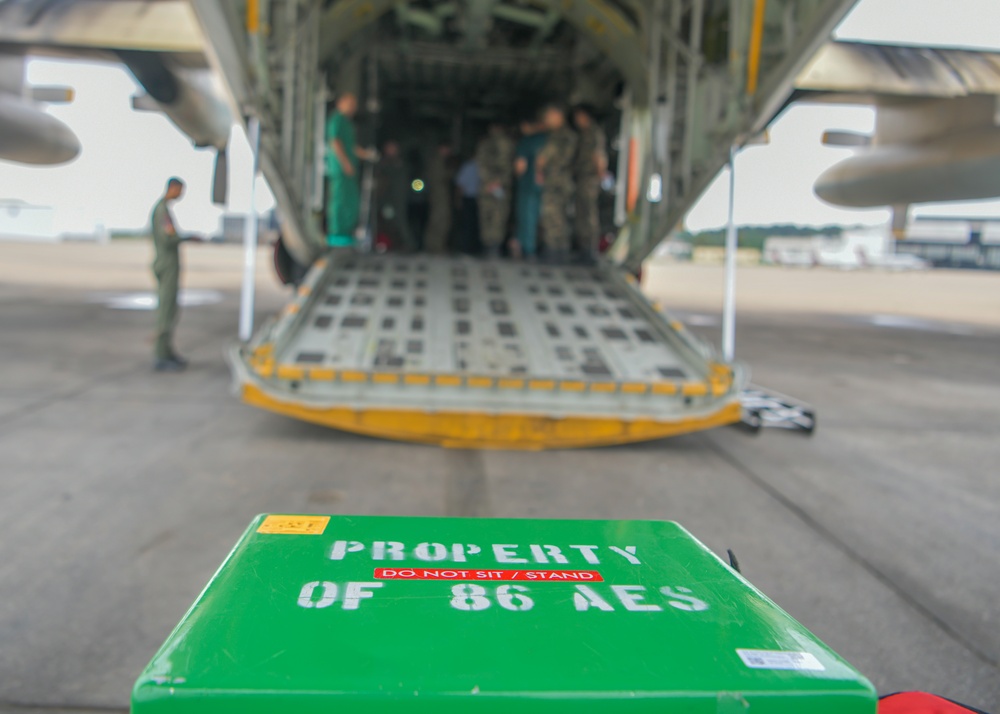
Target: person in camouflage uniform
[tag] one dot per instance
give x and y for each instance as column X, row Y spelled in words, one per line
column 392, row 190
column 554, row 173
column 591, row 163
column 495, row 161
column 440, row 197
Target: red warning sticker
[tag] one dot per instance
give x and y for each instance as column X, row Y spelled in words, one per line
column 590, row 576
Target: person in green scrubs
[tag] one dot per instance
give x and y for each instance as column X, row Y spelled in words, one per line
column 342, row 157
column 528, row 199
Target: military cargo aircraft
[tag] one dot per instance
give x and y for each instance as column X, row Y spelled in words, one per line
column 442, row 351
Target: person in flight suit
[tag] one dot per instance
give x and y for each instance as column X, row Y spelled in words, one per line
column 495, row 161
column 591, row 163
column 554, row 173
column 167, row 271
column 343, row 153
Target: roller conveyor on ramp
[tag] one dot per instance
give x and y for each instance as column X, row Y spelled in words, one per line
column 483, row 354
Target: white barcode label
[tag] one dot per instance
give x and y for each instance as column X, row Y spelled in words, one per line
column 777, row 659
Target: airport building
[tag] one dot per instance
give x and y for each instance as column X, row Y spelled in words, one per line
column 954, row 242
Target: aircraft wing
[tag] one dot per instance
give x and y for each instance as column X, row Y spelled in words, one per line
column 159, row 41
column 150, row 25
column 853, row 72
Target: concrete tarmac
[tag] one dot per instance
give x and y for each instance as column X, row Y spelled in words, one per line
column 122, row 490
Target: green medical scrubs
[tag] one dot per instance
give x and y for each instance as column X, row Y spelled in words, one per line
column 529, row 194
column 344, row 198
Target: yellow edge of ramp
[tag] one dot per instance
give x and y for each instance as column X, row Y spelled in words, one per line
column 477, row 430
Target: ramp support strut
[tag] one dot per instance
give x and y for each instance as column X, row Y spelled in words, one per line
column 250, row 238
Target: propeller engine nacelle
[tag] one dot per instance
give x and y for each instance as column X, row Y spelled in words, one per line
column 30, row 136
column 192, row 99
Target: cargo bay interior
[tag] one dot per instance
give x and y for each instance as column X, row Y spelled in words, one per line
column 680, row 82
column 439, row 73
column 455, row 67
column 432, row 74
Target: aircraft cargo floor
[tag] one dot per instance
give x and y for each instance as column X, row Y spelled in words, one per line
column 471, row 353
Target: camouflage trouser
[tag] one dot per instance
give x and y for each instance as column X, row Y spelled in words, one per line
column 438, row 224
column 493, row 212
column 555, row 227
column 588, row 227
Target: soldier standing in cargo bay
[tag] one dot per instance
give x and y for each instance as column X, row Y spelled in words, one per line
column 554, row 173
column 495, row 160
column 392, row 189
column 439, row 195
column 591, row 163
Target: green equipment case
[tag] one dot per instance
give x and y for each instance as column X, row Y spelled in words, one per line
column 352, row 615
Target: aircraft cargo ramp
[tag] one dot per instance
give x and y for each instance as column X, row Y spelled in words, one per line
column 474, row 354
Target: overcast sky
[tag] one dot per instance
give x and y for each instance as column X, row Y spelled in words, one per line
column 128, row 155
